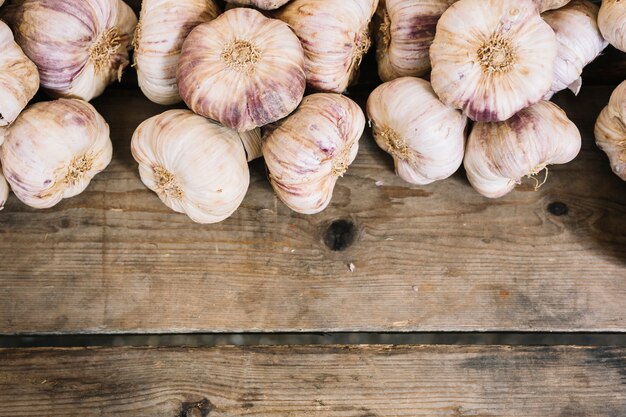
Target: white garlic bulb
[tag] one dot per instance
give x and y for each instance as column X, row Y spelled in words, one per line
column 580, row 42
column 4, row 189
column 335, row 36
column 492, row 58
column 260, row 4
column 544, row 5
column 19, row 79
column 612, row 22
column 425, row 137
column 53, row 150
column 610, row 130
column 499, row 155
column 79, row 46
column 193, row 164
column 162, row 28
column 308, row 151
column 242, row 69
column 405, row 32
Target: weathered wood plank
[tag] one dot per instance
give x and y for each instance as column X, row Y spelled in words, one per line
column 372, row 381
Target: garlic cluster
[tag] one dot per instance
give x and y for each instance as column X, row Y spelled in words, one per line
column 580, row 42
column 612, row 22
column 499, row 155
column 406, row 29
column 492, row 58
column 19, row 79
column 260, row 4
column 162, row 28
column 242, row 69
column 335, row 36
column 53, row 150
column 544, row 5
column 79, row 46
column 4, row 187
column 308, row 151
column 195, row 165
column 425, row 137
column 610, row 130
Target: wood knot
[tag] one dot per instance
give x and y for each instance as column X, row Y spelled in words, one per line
column 340, row 234
column 558, row 209
column 196, row 409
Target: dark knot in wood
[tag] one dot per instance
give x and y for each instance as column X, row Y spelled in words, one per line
column 340, row 234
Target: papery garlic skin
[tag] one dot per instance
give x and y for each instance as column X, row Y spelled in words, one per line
column 580, row 42
column 79, row 46
column 162, row 28
column 425, row 137
column 260, row 4
column 4, row 188
column 19, row 79
column 193, row 164
column 242, row 69
column 308, row 151
column 499, row 155
column 612, row 22
column 610, row 131
column 335, row 36
column 53, row 150
column 406, row 29
column 545, row 5
column 492, row 58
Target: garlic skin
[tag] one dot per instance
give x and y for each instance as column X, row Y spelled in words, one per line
column 195, row 166
column 4, row 187
column 545, row 5
column 79, row 46
column 158, row 41
column 425, row 137
column 19, row 79
column 242, row 69
column 492, row 58
column 260, row 4
column 499, row 155
column 580, row 42
column 335, row 36
column 53, row 150
column 308, row 151
column 610, row 131
column 405, row 32
column 612, row 22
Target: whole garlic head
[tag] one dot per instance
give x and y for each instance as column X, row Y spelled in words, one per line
column 162, row 28
column 492, row 58
column 405, row 32
column 610, row 131
column 53, row 150
column 308, row 151
column 425, row 137
column 4, row 188
column 335, row 36
column 544, row 5
column 19, row 79
column 79, row 46
column 195, row 165
column 242, row 69
column 612, row 22
column 260, row 4
column 580, row 42
column 499, row 155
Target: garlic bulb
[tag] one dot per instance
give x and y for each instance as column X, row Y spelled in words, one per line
column 499, row 155
column 492, row 58
column 335, row 36
column 242, row 69
column 260, row 4
column 19, row 79
column 195, row 165
column 308, row 151
column 162, row 28
column 53, row 150
column 580, row 42
column 79, row 46
column 544, row 5
column 4, row 188
column 612, row 22
column 405, row 32
column 610, row 131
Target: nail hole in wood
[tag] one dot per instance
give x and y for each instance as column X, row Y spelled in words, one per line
column 558, row 209
column 339, row 235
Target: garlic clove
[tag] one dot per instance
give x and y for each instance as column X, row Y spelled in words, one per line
column 492, row 58
column 242, row 69
column 335, row 36
column 612, row 22
column 53, row 150
column 158, row 41
column 308, row 151
column 425, row 137
column 544, row 5
column 259, row 4
column 499, row 155
column 19, row 79
column 4, row 189
column 610, row 130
